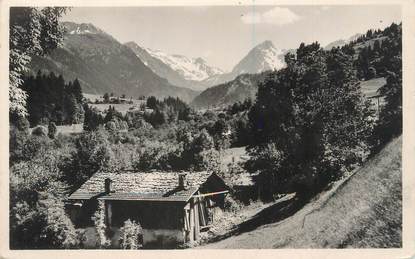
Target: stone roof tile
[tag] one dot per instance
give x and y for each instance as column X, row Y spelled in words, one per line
column 128, row 185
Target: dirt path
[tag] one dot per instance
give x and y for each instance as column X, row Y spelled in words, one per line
column 363, row 211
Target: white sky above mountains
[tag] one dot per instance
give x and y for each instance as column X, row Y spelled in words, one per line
column 223, row 35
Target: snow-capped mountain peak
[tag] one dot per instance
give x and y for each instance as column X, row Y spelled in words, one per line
column 195, row 69
column 265, row 56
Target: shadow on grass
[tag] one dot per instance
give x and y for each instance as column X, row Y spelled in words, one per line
column 272, row 214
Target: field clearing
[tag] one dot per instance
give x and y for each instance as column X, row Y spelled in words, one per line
column 361, row 211
column 122, row 107
column 369, row 87
column 370, row 42
column 65, row 129
column 70, row 129
column 93, row 97
column 233, row 155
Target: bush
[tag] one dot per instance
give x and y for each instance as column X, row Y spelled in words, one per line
column 37, row 216
column 154, row 155
column 111, row 126
column 93, row 153
column 100, row 226
column 35, row 146
column 52, row 130
column 40, row 131
column 43, row 225
column 131, row 235
column 17, row 141
column 231, row 204
column 59, row 231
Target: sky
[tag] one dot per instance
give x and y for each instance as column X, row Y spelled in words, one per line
column 223, row 35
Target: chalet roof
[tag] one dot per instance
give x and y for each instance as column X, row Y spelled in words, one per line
column 151, row 186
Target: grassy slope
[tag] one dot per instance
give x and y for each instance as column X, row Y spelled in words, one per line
column 364, row 210
column 371, row 86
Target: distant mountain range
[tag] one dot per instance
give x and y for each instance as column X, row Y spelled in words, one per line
column 102, row 64
column 177, row 69
column 196, row 74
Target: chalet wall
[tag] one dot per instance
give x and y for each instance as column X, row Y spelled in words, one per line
column 162, row 222
column 150, row 215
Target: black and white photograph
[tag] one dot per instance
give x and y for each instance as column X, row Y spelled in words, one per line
column 189, row 127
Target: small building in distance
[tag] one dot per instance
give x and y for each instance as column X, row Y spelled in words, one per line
column 171, row 207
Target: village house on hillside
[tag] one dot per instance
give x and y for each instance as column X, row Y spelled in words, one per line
column 171, row 207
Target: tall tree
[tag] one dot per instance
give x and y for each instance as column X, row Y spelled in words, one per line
column 390, row 117
column 33, row 31
column 313, row 119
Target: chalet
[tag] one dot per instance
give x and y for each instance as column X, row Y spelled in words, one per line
column 172, row 207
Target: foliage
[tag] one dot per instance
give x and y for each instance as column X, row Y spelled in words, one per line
column 114, row 121
column 33, row 31
column 242, row 135
column 136, row 120
column 131, row 235
column 50, row 99
column 59, row 231
column 34, row 186
column 199, row 152
column 92, row 153
column 267, row 160
column 100, row 226
column 106, row 97
column 167, row 110
column 390, row 117
column 183, row 151
column 310, row 122
column 52, row 130
column 375, row 57
column 92, row 119
column 232, row 205
column 17, row 138
column 40, row 131
column 42, row 225
column 154, row 155
column 239, row 107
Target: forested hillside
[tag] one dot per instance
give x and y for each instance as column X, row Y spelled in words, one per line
column 243, row 87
